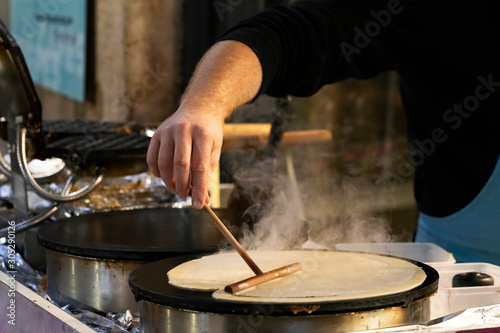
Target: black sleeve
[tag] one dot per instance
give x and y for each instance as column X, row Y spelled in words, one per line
column 312, row 43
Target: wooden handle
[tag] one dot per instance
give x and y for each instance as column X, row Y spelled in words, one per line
column 259, row 279
column 232, row 240
column 246, row 129
column 244, row 136
column 295, row 138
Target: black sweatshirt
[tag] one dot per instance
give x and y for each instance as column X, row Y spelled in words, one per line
column 447, row 55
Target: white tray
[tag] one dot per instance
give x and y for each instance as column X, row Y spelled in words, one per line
column 423, row 252
column 449, row 299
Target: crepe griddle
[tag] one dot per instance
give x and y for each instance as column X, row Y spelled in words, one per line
column 150, row 283
column 141, row 234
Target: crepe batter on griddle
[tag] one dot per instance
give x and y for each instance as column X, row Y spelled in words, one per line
column 326, row 276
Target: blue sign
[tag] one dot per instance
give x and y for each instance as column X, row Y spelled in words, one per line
column 52, row 36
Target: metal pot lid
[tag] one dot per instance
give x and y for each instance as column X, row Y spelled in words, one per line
column 142, row 234
column 150, row 283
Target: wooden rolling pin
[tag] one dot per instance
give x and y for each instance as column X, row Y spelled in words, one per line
column 244, row 136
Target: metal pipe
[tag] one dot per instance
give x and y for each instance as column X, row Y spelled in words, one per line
column 69, row 184
column 5, row 167
column 32, row 221
column 23, row 164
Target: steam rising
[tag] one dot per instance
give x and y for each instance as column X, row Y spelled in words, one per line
column 326, row 205
column 335, row 210
column 280, row 226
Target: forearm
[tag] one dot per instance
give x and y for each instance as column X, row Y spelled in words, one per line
column 228, row 76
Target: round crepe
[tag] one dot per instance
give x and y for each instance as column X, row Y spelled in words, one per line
column 326, row 276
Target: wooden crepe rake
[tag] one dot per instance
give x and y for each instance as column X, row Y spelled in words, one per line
column 260, row 277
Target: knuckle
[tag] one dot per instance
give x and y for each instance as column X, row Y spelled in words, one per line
column 183, row 128
column 203, row 133
column 181, row 162
column 152, row 160
column 199, row 167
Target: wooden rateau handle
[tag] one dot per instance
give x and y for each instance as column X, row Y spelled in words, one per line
column 227, row 234
column 260, row 276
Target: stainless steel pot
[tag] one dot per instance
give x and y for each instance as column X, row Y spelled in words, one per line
column 165, row 308
column 90, row 257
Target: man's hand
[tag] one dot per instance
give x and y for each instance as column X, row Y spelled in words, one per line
column 184, row 152
column 186, row 147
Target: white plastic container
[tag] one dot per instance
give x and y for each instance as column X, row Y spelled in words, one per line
column 449, row 300
column 423, row 252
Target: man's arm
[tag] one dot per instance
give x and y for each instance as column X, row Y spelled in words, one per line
column 186, row 147
column 296, row 52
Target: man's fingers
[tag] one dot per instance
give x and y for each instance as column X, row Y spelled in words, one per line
column 200, row 164
column 182, row 160
column 165, row 156
column 152, row 156
column 183, row 152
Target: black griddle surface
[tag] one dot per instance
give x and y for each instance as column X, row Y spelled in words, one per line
column 142, row 234
column 150, row 283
